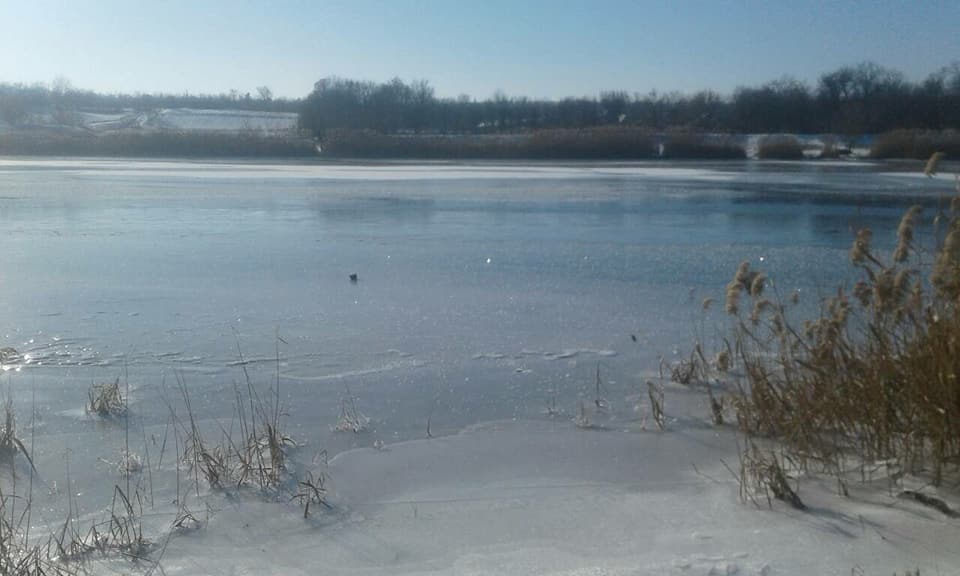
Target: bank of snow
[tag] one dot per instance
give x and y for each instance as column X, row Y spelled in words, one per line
column 548, row 498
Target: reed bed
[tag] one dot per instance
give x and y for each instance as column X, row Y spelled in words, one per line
column 600, row 143
column 780, row 147
column 916, row 144
column 872, row 382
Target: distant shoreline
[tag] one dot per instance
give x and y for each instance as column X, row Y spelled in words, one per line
column 166, row 144
column 597, row 144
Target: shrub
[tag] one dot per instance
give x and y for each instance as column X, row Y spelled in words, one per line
column 702, row 146
column 916, row 144
column 779, row 147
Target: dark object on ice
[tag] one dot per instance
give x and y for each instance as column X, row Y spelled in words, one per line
column 353, row 277
column 633, row 337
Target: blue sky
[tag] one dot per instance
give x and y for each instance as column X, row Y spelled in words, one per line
column 536, row 48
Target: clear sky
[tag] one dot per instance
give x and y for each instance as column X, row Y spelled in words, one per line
column 537, row 48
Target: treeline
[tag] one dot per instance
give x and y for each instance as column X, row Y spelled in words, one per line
column 861, row 99
column 20, row 104
column 369, row 119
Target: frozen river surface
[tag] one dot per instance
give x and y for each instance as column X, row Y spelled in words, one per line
column 484, row 290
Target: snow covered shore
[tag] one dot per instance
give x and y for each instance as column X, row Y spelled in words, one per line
column 547, row 498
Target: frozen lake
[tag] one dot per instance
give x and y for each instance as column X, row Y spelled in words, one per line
column 485, row 294
column 484, row 289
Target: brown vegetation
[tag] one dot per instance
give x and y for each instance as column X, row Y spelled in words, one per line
column 702, row 147
column 874, row 378
column 916, row 144
column 779, row 147
column 601, row 143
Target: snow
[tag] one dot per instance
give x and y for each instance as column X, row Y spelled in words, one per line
column 222, row 120
column 812, row 144
column 531, row 496
column 193, row 120
column 547, row 498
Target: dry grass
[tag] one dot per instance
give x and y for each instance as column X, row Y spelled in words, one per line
column 251, row 453
column 779, row 147
column 684, row 372
column 10, row 443
column 311, row 490
column 600, row 403
column 255, row 457
column 874, row 377
column 698, row 371
column 582, row 418
column 66, row 550
column 916, row 144
column 763, row 475
column 702, row 146
column 106, row 401
column 609, row 142
column 655, row 393
column 18, row 555
column 596, row 143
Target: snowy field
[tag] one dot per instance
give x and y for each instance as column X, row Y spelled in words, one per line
column 488, row 296
column 187, row 119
